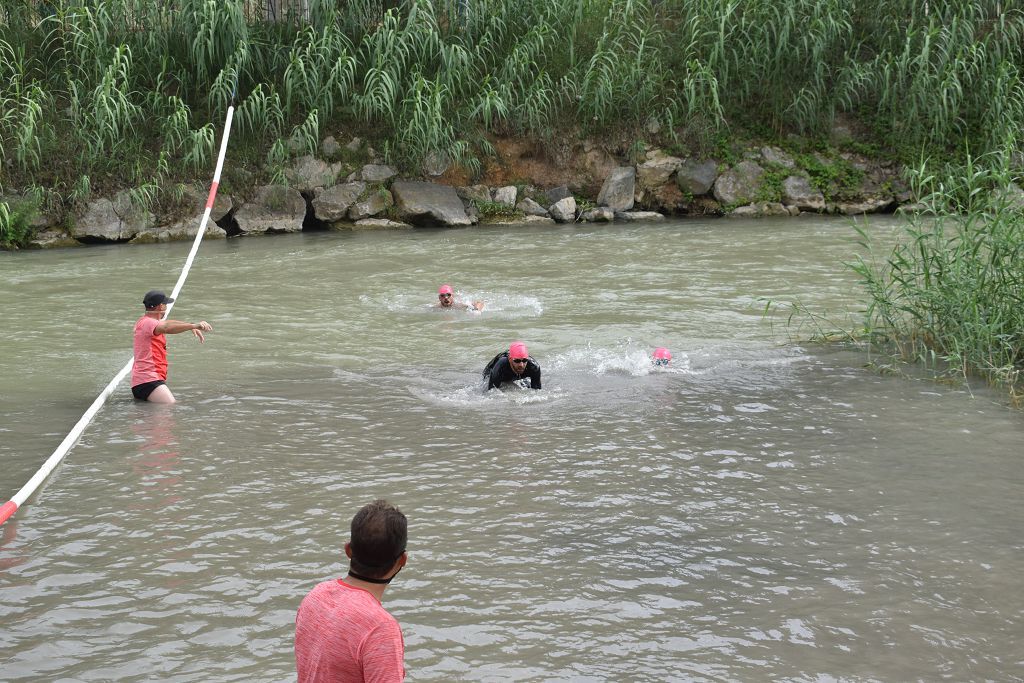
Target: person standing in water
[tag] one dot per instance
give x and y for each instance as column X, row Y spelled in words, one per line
column 342, row 632
column 511, row 366
column 149, row 372
column 446, row 299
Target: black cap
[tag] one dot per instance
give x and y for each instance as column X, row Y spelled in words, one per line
column 154, row 298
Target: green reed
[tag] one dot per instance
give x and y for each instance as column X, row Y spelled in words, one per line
column 82, row 78
column 951, row 292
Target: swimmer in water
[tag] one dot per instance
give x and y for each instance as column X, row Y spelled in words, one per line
column 446, row 299
column 662, row 356
column 511, row 366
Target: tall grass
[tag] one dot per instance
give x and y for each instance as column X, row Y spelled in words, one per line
column 951, row 292
column 118, row 85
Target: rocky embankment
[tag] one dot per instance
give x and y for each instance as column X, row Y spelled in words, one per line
column 320, row 195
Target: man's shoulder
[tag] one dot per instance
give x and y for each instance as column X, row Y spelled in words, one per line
column 146, row 323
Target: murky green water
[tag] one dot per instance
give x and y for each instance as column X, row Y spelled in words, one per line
column 761, row 511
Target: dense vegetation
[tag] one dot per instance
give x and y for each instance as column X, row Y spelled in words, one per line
column 129, row 94
column 950, row 294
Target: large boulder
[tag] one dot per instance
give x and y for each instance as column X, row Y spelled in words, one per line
column 275, row 208
column 428, row 204
column 564, row 210
column 617, row 192
column 531, row 208
column 475, row 193
column 331, row 204
column 114, row 220
column 797, row 191
column 377, row 202
column 740, row 184
column 506, row 196
column 654, row 173
column 696, row 177
column 600, row 214
column 377, row 173
column 309, row 173
column 100, row 222
column 774, row 155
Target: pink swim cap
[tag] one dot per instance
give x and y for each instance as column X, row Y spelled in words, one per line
column 518, row 350
column 661, row 353
column 445, row 289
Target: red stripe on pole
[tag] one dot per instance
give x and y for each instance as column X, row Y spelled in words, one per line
column 213, row 195
column 7, row 510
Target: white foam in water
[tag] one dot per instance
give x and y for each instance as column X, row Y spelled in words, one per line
column 627, row 359
column 506, row 305
column 474, row 396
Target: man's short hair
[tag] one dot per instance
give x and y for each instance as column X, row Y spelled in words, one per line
column 379, row 535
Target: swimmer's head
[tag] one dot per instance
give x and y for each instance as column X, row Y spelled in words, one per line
column 517, row 351
column 662, row 356
column 445, row 295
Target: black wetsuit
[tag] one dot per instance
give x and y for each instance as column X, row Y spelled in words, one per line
column 499, row 371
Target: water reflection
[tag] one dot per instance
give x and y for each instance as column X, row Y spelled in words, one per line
column 156, row 463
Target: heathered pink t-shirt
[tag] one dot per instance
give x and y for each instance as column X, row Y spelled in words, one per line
column 343, row 635
column 150, row 352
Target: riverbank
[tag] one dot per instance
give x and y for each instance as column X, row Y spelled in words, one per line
column 591, row 183
column 111, row 111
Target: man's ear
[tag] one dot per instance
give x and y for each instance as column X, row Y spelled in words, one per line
column 348, row 550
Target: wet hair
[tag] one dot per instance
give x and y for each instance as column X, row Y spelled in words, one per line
column 379, row 535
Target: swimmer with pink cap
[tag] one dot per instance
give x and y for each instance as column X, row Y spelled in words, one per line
column 514, row 365
column 446, row 299
column 662, row 356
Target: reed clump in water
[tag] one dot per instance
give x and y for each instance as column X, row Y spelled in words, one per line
column 122, row 93
column 951, row 292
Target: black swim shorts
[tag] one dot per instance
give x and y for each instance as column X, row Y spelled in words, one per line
column 142, row 391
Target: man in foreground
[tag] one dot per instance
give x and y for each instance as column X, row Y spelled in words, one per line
column 446, row 299
column 149, row 372
column 511, row 366
column 342, row 633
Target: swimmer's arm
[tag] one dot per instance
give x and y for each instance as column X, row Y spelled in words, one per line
column 478, row 305
column 494, row 378
column 535, row 379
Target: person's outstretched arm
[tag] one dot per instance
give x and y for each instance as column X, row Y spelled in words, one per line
column 534, row 376
column 177, row 327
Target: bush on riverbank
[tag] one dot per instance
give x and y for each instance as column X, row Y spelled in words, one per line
column 951, row 292
column 15, row 224
column 128, row 94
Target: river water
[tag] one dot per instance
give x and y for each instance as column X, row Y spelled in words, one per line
column 761, row 510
